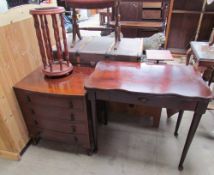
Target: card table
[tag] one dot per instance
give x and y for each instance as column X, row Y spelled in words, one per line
column 177, row 87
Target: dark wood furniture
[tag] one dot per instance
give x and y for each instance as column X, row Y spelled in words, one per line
column 95, row 4
column 56, row 109
column 61, row 65
column 90, row 50
column 203, row 55
column 188, row 20
column 158, row 55
column 144, row 17
column 150, row 85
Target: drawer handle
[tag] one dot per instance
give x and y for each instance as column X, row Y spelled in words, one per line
column 28, row 99
column 36, row 122
column 72, row 117
column 75, row 139
column 73, row 128
column 143, row 100
column 71, row 105
column 32, row 111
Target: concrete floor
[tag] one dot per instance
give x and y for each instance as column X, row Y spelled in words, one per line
column 126, row 147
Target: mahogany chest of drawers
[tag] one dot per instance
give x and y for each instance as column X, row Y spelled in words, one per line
column 56, row 109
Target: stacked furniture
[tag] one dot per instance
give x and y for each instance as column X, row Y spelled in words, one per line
column 144, row 18
column 95, row 4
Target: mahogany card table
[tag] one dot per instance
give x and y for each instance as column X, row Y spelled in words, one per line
column 166, row 86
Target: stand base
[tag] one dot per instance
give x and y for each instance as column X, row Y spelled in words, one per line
column 56, row 71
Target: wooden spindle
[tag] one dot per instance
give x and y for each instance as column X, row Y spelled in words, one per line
column 48, row 36
column 52, row 68
column 40, row 40
column 64, row 39
column 48, row 51
column 57, row 38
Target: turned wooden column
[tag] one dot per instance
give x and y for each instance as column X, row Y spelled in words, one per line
column 59, row 66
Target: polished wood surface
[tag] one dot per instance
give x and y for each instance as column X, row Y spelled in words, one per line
column 70, row 85
column 148, row 79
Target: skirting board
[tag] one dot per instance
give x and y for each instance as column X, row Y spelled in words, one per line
column 10, row 155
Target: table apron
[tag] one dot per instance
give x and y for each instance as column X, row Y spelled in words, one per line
column 164, row 101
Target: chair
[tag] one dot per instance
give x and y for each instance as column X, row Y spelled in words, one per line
column 94, row 4
column 202, row 53
column 61, row 65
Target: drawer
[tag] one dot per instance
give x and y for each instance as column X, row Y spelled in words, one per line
column 71, row 102
column 53, row 113
column 151, row 14
column 167, row 101
column 64, row 127
column 82, row 140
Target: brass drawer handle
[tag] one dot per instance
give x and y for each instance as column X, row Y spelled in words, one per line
column 36, row 122
column 28, row 98
column 71, row 105
column 72, row 117
column 73, row 128
column 143, row 100
column 75, row 139
column 32, row 111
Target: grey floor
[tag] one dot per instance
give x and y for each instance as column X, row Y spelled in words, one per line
column 127, row 146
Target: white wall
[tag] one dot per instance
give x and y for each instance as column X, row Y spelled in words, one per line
column 3, row 6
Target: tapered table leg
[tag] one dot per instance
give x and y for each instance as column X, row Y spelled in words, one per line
column 92, row 99
column 199, row 111
column 180, row 115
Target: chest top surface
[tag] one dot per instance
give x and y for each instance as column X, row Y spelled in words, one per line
column 72, row 84
column 148, row 79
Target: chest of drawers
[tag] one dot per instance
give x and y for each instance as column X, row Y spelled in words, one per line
column 56, row 109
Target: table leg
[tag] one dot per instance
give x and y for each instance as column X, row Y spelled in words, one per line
column 74, row 22
column 92, row 98
column 180, row 115
column 199, row 111
column 188, row 55
column 211, row 77
column 105, row 113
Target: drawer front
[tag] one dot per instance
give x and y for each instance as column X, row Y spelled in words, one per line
column 64, row 127
column 82, row 140
column 167, row 101
column 70, row 102
column 54, row 113
column 151, row 14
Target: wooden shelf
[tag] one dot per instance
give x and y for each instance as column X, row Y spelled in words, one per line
column 209, row 13
column 139, row 24
column 186, row 11
column 191, row 12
